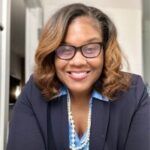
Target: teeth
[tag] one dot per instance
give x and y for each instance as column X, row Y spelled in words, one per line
column 79, row 74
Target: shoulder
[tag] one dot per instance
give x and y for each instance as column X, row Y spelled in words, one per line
column 31, row 93
column 31, row 87
column 136, row 93
column 135, row 99
column 137, row 86
column 136, row 80
column 30, row 83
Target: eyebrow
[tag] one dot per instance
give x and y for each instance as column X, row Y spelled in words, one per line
column 95, row 39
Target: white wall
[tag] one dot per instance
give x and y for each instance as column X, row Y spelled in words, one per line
column 33, row 24
column 127, row 16
column 129, row 26
column 51, row 5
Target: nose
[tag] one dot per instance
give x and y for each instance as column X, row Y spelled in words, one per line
column 78, row 59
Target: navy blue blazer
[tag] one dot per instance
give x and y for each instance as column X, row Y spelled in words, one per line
column 123, row 124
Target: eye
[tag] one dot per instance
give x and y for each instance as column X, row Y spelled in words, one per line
column 67, row 49
column 90, row 48
column 64, row 50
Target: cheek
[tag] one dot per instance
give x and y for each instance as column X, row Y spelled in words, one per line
column 59, row 66
column 99, row 67
column 98, row 63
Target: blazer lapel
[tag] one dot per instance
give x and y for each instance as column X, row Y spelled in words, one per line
column 40, row 108
column 60, row 128
column 100, row 120
column 59, row 122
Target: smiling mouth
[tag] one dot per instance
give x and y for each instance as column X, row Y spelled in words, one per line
column 78, row 75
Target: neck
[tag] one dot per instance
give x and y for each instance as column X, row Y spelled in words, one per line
column 80, row 99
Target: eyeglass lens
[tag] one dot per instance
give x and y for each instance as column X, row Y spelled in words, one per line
column 88, row 50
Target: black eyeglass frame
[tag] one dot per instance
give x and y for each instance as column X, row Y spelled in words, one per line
column 80, row 48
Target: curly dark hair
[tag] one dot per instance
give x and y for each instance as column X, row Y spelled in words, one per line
column 112, row 79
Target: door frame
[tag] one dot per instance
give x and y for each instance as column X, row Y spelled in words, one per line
column 4, row 70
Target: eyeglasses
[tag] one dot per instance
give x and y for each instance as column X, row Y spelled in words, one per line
column 90, row 50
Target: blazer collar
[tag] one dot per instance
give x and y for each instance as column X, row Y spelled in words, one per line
column 59, row 122
column 99, row 125
column 95, row 94
column 39, row 105
column 60, row 126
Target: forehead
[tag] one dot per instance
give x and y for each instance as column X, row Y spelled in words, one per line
column 86, row 20
column 82, row 29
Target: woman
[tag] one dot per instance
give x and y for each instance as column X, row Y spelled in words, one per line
column 78, row 97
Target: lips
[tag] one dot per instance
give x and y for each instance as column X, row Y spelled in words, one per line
column 78, row 75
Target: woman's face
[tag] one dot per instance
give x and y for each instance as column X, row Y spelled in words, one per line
column 80, row 73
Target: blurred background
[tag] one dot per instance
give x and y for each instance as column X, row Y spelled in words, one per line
column 21, row 22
